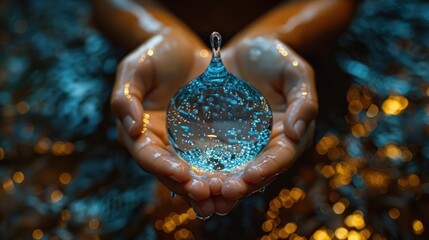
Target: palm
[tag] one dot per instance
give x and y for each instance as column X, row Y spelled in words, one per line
column 287, row 82
column 147, row 79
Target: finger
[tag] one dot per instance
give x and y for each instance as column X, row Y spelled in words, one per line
column 215, row 186
column 279, row 156
column 223, row 205
column 195, row 189
column 215, row 181
column 132, row 80
column 204, row 207
column 235, row 187
column 299, row 114
column 150, row 153
column 300, row 93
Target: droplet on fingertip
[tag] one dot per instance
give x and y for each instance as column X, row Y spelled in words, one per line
column 197, row 215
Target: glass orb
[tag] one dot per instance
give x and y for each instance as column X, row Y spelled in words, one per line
column 218, row 122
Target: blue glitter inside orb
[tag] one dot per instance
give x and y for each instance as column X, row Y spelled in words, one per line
column 218, row 122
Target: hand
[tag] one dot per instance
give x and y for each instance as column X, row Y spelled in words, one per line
column 146, row 80
column 287, row 81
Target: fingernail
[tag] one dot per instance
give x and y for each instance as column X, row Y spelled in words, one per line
column 215, row 186
column 128, row 123
column 253, row 173
column 174, row 178
column 192, row 196
column 299, row 127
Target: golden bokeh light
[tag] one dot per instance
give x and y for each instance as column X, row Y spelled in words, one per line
column 94, row 223
column 183, row 234
column 8, row 185
column 353, row 235
column 355, row 220
column 43, row 146
column 146, row 121
column 321, row 234
column 282, row 233
column 37, row 234
column 268, row 225
column 204, row 53
column 168, row 226
column 127, row 90
column 327, row 171
column 338, row 208
column 394, row 213
column 150, row 52
column 18, row 177
column 22, row 107
column 297, row 194
column 60, row 148
column 392, row 151
column 341, row 233
column 191, row 214
column 282, row 50
column 365, row 233
column 158, row 224
column 372, row 111
column 65, row 215
column 394, row 105
column 290, row 228
column 358, row 130
column 355, row 107
column 376, row 180
column 56, row 196
column 413, row 180
column 418, row 227
column 326, row 143
column 65, row 178
column 295, row 63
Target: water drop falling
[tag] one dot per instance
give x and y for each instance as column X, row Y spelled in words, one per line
column 197, row 215
column 218, row 122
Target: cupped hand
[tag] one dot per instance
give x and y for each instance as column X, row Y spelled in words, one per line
column 287, row 81
column 146, row 80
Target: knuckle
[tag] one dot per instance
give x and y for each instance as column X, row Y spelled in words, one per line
column 313, row 106
column 117, row 103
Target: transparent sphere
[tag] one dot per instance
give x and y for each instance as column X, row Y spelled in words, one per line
column 218, row 122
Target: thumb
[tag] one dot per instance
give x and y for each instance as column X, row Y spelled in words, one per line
column 127, row 95
column 298, row 116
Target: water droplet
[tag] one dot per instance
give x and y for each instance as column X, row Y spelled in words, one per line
column 218, row 122
column 197, row 215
